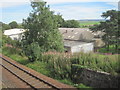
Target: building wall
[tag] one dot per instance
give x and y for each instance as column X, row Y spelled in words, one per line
column 16, row 37
column 88, row 47
column 93, row 78
column 67, row 49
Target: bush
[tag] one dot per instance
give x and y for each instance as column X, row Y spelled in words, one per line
column 33, row 51
column 10, row 51
column 60, row 66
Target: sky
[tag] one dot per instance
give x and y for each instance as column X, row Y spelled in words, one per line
column 17, row 10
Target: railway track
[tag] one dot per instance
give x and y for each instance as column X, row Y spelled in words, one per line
column 32, row 79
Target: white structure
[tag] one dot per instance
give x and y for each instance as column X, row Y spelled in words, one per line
column 77, row 46
column 77, row 39
column 14, row 34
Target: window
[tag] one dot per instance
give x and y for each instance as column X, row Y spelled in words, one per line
column 15, row 38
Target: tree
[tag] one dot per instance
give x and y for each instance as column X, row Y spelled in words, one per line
column 110, row 27
column 13, row 24
column 4, row 26
column 42, row 31
column 71, row 24
column 60, row 20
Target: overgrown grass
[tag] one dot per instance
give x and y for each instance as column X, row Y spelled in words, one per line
column 111, row 49
column 49, row 66
column 59, row 66
column 40, row 67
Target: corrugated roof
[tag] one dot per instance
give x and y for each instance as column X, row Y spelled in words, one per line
column 76, row 33
column 69, row 43
column 14, row 31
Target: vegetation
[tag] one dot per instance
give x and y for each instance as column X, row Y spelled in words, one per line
column 4, row 26
column 0, row 39
column 111, row 50
column 42, row 34
column 87, row 24
column 66, row 23
column 71, row 24
column 13, row 24
column 59, row 66
column 110, row 27
column 93, row 61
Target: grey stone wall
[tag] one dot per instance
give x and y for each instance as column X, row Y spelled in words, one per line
column 94, row 78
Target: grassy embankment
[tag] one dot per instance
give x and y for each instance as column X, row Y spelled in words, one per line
column 59, row 66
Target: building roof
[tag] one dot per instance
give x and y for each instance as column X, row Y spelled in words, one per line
column 98, row 42
column 99, row 34
column 68, row 43
column 77, row 34
column 14, row 31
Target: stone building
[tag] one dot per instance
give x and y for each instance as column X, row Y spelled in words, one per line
column 77, row 39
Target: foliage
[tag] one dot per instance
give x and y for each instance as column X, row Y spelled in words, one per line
column 59, row 66
column 99, row 62
column 8, row 41
column 20, row 26
column 71, row 24
column 13, row 24
column 62, row 65
column 10, row 51
column 4, row 26
column 0, row 38
column 66, row 23
column 112, row 49
column 60, row 20
column 42, row 30
column 110, row 27
column 33, row 51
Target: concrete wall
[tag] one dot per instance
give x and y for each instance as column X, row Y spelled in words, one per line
column 88, row 47
column 67, row 49
column 94, row 78
column 16, row 36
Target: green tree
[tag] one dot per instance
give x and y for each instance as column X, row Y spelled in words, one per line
column 13, row 24
column 4, row 26
column 110, row 27
column 20, row 26
column 60, row 20
column 42, row 31
column 71, row 24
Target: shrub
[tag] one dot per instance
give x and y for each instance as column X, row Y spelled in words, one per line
column 59, row 66
column 33, row 51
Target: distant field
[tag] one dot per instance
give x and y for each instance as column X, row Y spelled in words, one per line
column 86, row 23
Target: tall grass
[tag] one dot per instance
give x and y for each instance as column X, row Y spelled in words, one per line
column 61, row 64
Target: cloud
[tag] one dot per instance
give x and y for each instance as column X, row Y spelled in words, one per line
column 115, row 4
column 80, row 12
column 71, row 1
column 12, row 3
column 64, row 7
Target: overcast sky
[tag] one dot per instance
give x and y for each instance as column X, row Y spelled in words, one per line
column 16, row 10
